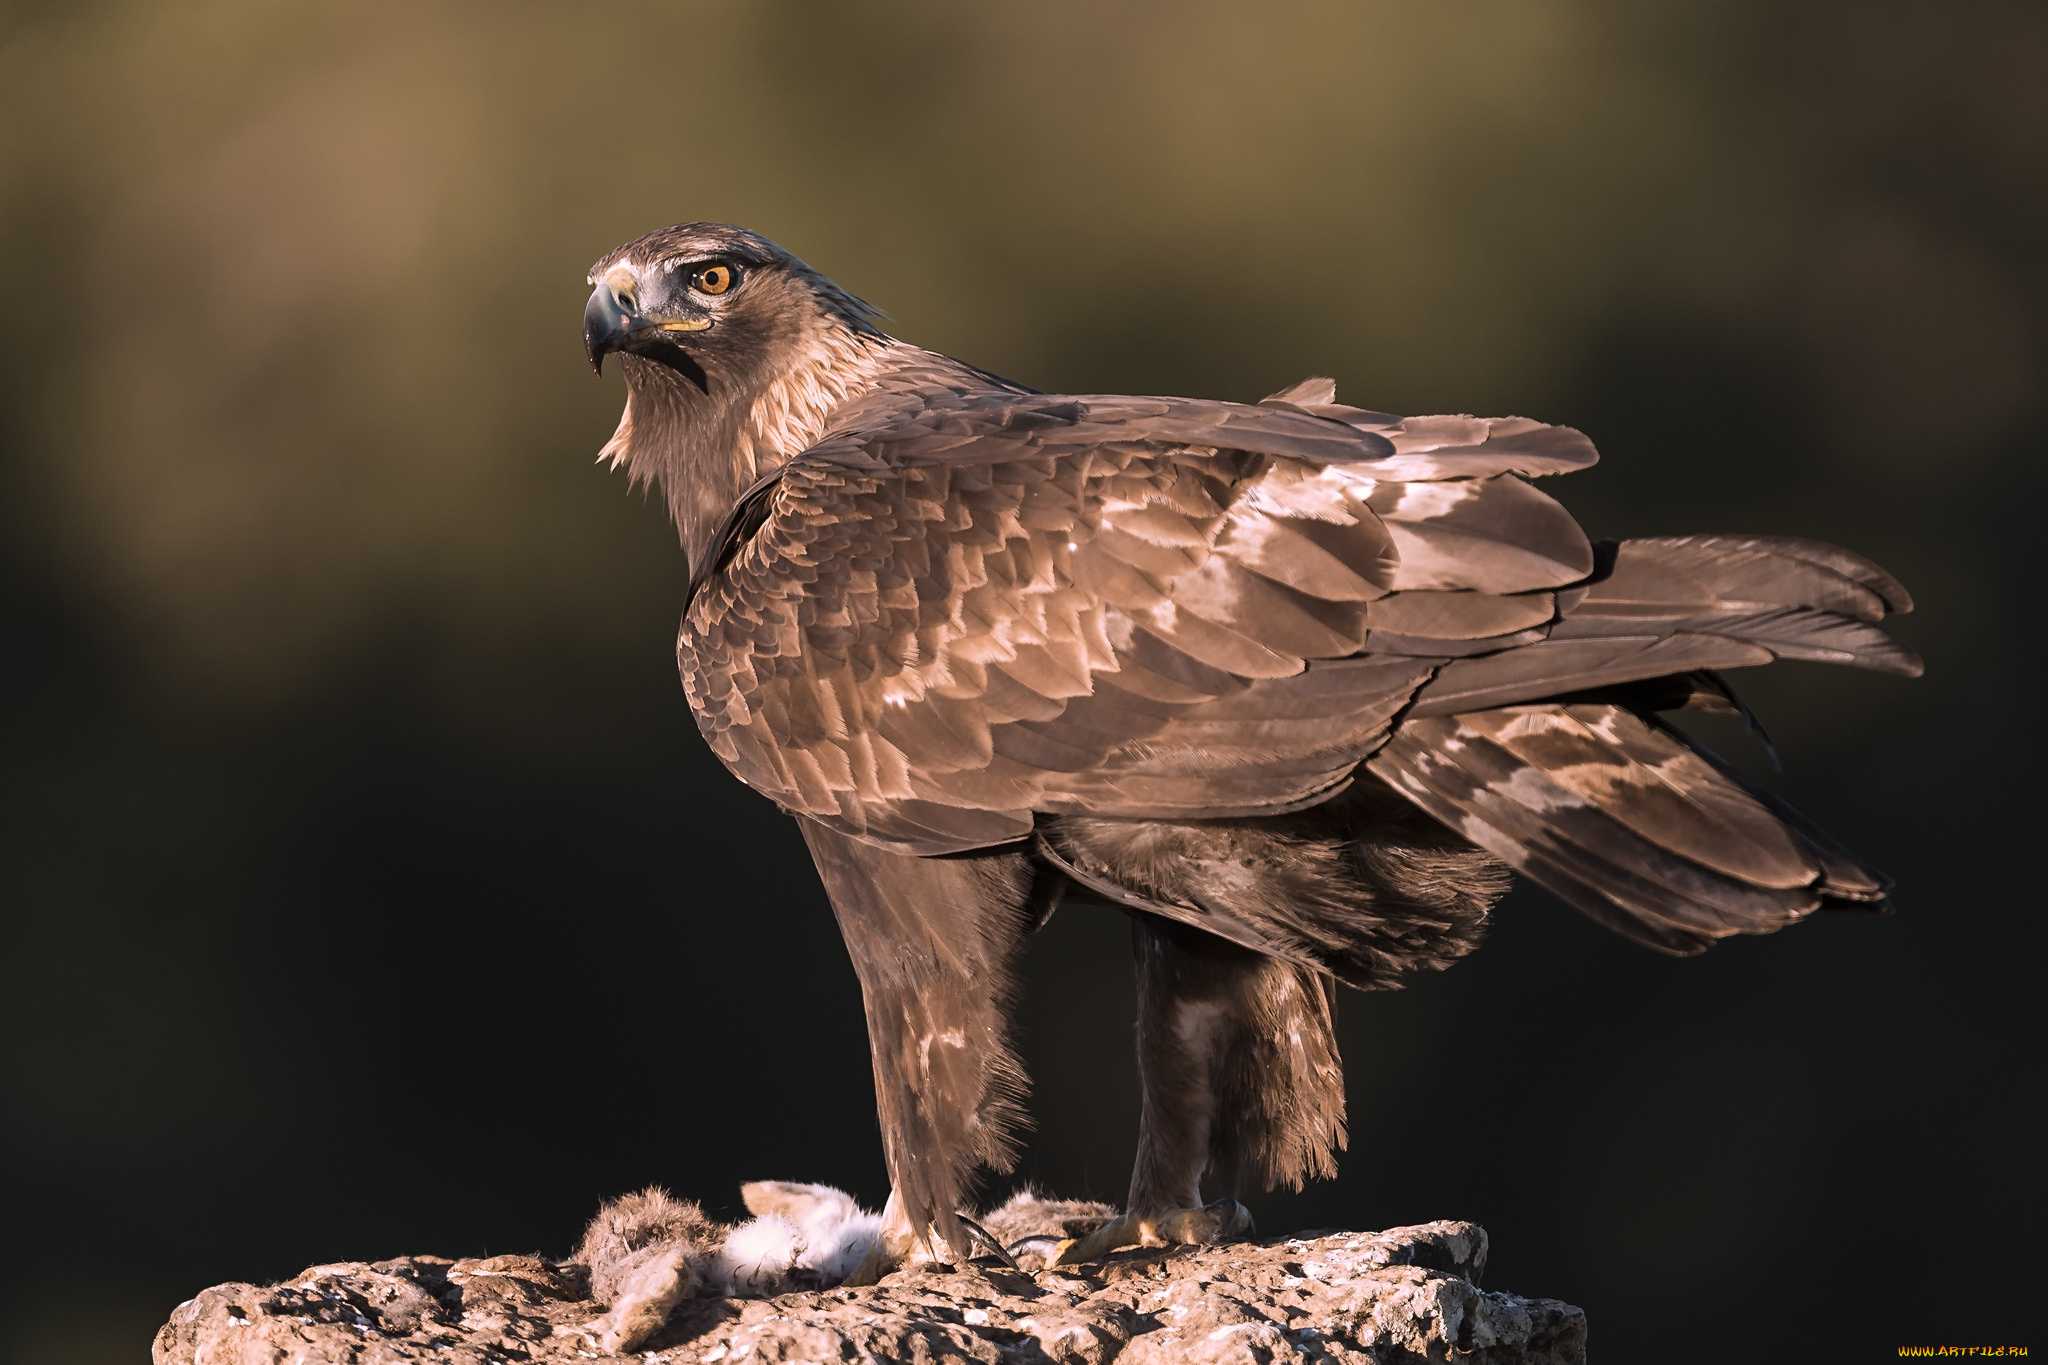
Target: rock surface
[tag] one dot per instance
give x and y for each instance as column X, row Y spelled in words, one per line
column 1409, row 1294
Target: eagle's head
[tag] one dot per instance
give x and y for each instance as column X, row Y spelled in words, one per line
column 735, row 353
column 719, row 305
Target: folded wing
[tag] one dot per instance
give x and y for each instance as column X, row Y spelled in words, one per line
column 961, row 611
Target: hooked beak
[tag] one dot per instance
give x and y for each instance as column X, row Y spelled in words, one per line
column 610, row 325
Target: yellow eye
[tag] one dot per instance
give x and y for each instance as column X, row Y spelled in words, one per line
column 712, row 279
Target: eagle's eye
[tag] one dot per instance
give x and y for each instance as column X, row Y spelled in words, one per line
column 712, row 279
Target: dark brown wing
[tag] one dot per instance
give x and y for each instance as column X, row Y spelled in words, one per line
column 1626, row 820
column 965, row 609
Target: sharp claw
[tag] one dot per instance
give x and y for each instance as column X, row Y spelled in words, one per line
column 981, row 1235
column 1227, row 1218
column 1232, row 1220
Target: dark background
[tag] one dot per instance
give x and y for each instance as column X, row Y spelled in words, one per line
column 367, row 889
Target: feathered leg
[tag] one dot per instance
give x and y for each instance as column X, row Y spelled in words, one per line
column 1241, row 1085
column 933, row 940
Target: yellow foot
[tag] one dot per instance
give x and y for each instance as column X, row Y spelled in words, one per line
column 1219, row 1222
column 879, row 1261
column 897, row 1247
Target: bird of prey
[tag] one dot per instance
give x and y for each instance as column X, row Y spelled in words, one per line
column 1296, row 684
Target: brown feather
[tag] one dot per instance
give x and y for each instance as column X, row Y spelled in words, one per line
column 1461, row 615
column 1496, row 535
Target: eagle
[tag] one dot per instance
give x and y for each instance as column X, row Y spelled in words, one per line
column 1297, row 685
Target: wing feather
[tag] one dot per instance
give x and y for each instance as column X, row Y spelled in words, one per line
column 1651, row 785
column 1561, row 792
column 1496, row 535
column 1462, row 615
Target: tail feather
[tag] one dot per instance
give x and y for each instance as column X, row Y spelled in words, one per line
column 1787, row 632
column 1673, row 604
column 1552, row 667
column 1784, row 569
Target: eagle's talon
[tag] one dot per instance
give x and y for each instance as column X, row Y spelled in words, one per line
column 1117, row 1232
column 1217, row 1222
column 886, row 1256
column 896, row 1247
column 1035, row 1253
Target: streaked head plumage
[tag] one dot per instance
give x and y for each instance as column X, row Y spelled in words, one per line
column 654, row 295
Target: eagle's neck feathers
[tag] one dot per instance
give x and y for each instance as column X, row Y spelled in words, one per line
column 705, row 446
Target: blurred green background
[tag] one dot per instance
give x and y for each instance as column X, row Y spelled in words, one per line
column 367, row 889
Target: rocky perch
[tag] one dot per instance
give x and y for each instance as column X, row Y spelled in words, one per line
column 1408, row 1294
